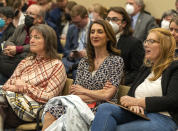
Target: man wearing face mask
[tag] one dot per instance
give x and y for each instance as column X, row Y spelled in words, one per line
column 166, row 18
column 16, row 47
column 131, row 48
column 6, row 26
column 141, row 21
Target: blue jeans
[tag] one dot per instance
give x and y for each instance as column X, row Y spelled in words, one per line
column 110, row 117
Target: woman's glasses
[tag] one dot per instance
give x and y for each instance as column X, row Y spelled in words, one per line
column 150, row 41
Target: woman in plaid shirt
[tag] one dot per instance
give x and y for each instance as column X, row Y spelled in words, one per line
column 36, row 79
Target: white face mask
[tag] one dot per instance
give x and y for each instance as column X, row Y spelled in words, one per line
column 115, row 27
column 129, row 8
column 165, row 24
column 91, row 16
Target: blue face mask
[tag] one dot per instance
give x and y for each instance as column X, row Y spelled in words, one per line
column 2, row 23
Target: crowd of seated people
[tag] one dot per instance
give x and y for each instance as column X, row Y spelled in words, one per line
column 102, row 48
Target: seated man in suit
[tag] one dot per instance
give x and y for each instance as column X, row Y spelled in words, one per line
column 16, row 47
column 131, row 48
column 76, row 39
column 142, row 22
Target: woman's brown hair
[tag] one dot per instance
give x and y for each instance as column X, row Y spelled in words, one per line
column 167, row 51
column 50, row 40
column 111, row 44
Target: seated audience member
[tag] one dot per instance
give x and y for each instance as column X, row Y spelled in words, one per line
column 141, row 21
column 98, row 75
column 67, row 19
column 176, row 5
column 6, row 26
column 98, row 12
column 76, row 39
column 19, row 17
column 54, row 19
column 131, row 48
column 153, row 93
column 174, row 31
column 16, row 47
column 3, row 3
column 166, row 18
column 37, row 78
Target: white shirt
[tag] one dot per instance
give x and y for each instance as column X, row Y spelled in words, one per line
column 82, row 39
column 149, row 89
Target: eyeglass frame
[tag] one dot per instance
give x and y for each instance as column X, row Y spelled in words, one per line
column 150, row 41
column 112, row 19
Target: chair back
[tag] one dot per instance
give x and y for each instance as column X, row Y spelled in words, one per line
column 68, row 83
column 123, row 90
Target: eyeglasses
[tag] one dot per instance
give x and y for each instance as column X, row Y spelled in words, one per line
column 173, row 29
column 113, row 19
column 35, row 37
column 151, row 41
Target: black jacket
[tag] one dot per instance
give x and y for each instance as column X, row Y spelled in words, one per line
column 133, row 53
column 169, row 83
column 7, row 33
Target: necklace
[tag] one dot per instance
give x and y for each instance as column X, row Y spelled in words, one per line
column 98, row 62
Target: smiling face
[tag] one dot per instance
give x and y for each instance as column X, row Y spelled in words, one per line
column 98, row 36
column 37, row 44
column 152, row 47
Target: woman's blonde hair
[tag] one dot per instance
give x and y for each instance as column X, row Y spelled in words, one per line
column 167, row 51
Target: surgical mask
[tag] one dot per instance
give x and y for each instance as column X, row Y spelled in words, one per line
column 2, row 23
column 29, row 21
column 165, row 24
column 91, row 16
column 130, row 9
column 115, row 27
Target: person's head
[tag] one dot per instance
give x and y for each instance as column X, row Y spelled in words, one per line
column 3, row 3
column 174, row 27
column 68, row 8
column 159, row 50
column 134, row 6
column 34, row 15
column 6, row 16
column 100, row 35
column 61, row 3
column 17, row 5
column 79, row 16
column 99, row 11
column 166, row 18
column 43, row 41
column 118, row 15
column 176, row 4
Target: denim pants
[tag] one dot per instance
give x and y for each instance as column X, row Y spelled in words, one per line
column 110, row 117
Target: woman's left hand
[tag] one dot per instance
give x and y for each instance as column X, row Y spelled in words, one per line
column 137, row 109
column 77, row 90
column 128, row 101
